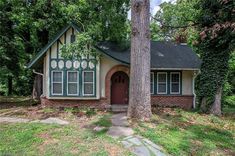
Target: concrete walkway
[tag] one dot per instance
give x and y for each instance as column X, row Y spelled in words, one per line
column 21, row 120
column 138, row 145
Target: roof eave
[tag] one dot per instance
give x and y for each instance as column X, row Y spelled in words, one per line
column 193, row 69
column 119, row 60
column 46, row 47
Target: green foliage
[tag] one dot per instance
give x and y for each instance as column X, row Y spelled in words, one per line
column 104, row 121
column 229, row 101
column 215, row 44
column 27, row 26
column 231, row 75
column 156, row 33
column 81, row 111
column 174, row 20
column 83, row 46
column 90, row 112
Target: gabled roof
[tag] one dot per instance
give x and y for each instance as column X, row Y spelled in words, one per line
column 164, row 55
column 43, row 51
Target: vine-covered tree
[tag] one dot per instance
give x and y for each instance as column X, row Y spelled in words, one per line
column 216, row 23
column 139, row 95
column 196, row 22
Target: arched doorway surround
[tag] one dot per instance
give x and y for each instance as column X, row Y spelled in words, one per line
column 108, row 77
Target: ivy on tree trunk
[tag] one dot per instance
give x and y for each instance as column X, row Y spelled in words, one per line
column 216, row 43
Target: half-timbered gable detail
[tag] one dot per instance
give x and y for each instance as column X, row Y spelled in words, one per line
column 68, row 78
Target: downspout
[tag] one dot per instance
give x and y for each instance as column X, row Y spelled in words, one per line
column 41, row 74
column 195, row 74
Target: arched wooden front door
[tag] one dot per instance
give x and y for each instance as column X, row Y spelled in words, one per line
column 119, row 88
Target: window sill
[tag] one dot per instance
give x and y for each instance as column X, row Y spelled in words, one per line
column 74, row 98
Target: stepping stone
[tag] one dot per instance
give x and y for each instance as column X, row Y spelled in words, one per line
column 148, row 142
column 126, row 144
column 117, row 131
column 135, row 141
column 54, row 121
column 141, row 151
column 138, row 145
column 128, row 137
column 120, row 120
column 13, row 120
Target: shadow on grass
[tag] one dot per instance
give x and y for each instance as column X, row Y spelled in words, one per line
column 104, row 122
column 8, row 102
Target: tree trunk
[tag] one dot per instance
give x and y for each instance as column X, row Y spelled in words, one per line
column 139, row 102
column 37, row 87
column 9, row 86
column 203, row 106
column 216, row 106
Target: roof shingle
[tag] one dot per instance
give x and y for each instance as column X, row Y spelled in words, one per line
column 164, row 55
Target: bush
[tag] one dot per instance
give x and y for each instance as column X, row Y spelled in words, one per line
column 229, row 101
column 81, row 111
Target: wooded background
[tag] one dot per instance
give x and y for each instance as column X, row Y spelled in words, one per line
column 206, row 25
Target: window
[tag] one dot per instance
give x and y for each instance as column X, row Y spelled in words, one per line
column 175, row 83
column 88, row 83
column 72, row 83
column 162, row 83
column 57, row 83
column 152, row 82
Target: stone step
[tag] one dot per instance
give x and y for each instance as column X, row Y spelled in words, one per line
column 119, row 108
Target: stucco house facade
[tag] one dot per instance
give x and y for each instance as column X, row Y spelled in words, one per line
column 81, row 82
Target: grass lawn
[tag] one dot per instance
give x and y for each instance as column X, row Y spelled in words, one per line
column 178, row 132
column 77, row 138
column 190, row 133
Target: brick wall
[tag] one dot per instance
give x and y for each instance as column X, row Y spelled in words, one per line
column 99, row 104
column 183, row 101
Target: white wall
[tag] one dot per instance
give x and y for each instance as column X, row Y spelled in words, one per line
column 46, row 75
column 106, row 63
column 187, row 77
column 53, row 47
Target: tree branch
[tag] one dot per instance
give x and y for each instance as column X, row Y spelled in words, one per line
column 176, row 27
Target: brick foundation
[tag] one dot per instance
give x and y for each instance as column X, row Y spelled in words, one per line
column 184, row 101
column 98, row 104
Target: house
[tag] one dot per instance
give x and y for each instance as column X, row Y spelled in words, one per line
column 101, row 85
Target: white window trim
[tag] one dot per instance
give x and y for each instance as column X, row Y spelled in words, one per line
column 52, row 82
column 161, row 82
column 72, row 82
column 83, row 88
column 174, row 82
column 152, row 84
